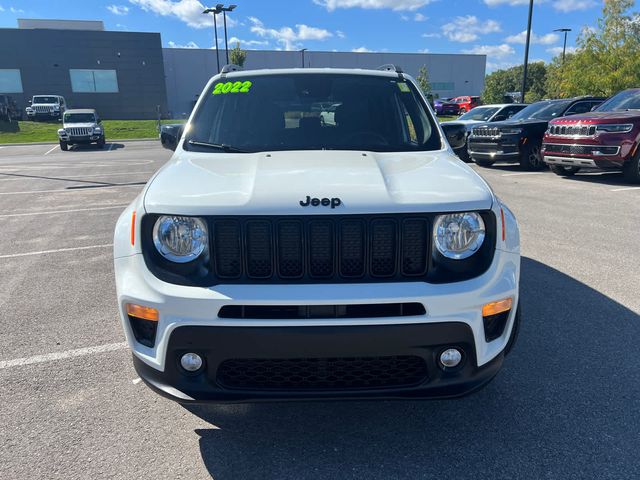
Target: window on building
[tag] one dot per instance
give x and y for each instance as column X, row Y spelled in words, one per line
column 442, row 86
column 99, row 81
column 10, row 81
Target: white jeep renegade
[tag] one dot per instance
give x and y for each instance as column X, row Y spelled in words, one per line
column 279, row 256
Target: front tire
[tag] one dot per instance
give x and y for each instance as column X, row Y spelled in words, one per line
column 64, row 146
column 631, row 169
column 531, row 158
column 564, row 171
column 101, row 143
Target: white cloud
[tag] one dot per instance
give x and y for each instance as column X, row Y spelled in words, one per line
column 418, row 17
column 468, row 28
column 513, row 3
column 431, row 35
column 188, row 45
column 573, row 5
column 287, row 36
column 188, row 11
column 360, row 50
column 247, row 43
column 423, row 50
column 493, row 51
column 1, row 8
column 118, row 9
column 15, row 10
column 548, row 39
column 555, row 51
column 491, row 66
column 397, row 5
column 340, row 34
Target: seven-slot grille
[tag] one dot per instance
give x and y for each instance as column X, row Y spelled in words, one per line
column 319, row 248
column 486, row 131
column 79, row 131
column 42, row 108
column 573, row 130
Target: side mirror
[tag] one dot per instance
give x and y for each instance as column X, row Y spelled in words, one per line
column 170, row 135
column 456, row 134
column 29, row 101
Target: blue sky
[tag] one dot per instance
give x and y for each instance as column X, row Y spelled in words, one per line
column 493, row 27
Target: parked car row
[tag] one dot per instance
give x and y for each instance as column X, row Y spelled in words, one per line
column 565, row 134
column 456, row 105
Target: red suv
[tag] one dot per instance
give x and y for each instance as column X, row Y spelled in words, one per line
column 607, row 138
column 465, row 103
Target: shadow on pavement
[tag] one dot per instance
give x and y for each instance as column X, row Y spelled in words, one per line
column 565, row 405
column 93, row 146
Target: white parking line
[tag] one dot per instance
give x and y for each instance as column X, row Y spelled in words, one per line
column 44, row 252
column 57, row 190
column 53, row 212
column 624, row 189
column 110, row 147
column 521, row 173
column 51, row 357
column 34, row 177
column 49, row 151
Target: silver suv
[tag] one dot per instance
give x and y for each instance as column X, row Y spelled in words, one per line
column 81, row 126
column 46, row 107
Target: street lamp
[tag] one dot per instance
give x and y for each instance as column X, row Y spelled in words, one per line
column 224, row 16
column 215, row 11
column 303, row 50
column 564, row 48
column 526, row 51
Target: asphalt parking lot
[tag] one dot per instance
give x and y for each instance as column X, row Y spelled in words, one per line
column 566, row 404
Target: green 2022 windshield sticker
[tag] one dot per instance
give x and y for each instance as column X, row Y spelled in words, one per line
column 232, row 87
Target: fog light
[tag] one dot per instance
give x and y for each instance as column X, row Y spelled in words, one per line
column 191, row 362
column 451, row 357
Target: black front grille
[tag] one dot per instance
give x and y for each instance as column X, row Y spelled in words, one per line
column 579, row 149
column 346, row 248
column 486, row 132
column 288, row 312
column 573, row 130
column 313, row 374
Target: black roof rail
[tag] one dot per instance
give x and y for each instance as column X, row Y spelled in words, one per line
column 231, row 68
column 390, row 67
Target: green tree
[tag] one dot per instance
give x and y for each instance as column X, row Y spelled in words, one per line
column 510, row 80
column 423, row 80
column 607, row 59
column 237, row 55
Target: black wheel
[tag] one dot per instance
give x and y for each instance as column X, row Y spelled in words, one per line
column 631, row 169
column 531, row 158
column 462, row 111
column 101, row 143
column 483, row 163
column 64, row 146
column 564, row 171
column 463, row 154
column 514, row 333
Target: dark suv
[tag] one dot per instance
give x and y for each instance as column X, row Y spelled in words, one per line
column 519, row 139
column 8, row 109
column 608, row 138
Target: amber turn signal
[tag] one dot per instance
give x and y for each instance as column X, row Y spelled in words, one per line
column 146, row 313
column 495, row 308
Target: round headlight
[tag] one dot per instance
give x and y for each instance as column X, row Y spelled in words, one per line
column 458, row 235
column 180, row 239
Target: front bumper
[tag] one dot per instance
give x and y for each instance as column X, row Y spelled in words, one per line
column 496, row 150
column 189, row 321
column 261, row 363
column 586, row 155
column 44, row 115
column 80, row 139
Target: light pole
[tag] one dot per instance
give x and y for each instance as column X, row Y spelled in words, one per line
column 564, row 48
column 526, row 51
column 303, row 50
column 224, row 16
column 215, row 11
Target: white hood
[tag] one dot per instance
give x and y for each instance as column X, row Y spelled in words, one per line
column 275, row 183
column 80, row 125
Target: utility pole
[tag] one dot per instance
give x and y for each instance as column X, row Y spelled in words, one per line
column 215, row 12
column 224, row 16
column 526, row 52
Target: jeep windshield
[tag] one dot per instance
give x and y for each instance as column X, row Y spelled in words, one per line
column 44, row 100
column 480, row 113
column 79, row 118
column 626, row 100
column 312, row 111
column 545, row 110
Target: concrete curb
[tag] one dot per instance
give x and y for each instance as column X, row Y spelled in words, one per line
column 55, row 143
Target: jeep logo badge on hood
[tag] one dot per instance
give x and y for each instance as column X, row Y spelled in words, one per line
column 325, row 202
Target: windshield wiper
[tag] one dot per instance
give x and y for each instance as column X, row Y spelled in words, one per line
column 218, row 146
